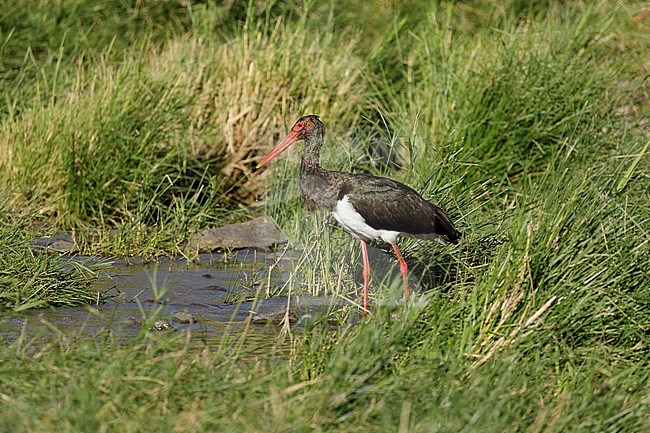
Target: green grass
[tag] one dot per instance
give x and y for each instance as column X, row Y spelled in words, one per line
column 414, row 371
column 526, row 121
column 30, row 278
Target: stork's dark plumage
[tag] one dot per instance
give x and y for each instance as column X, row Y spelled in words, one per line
column 367, row 207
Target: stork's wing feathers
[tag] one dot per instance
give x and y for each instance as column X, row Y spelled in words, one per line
column 390, row 205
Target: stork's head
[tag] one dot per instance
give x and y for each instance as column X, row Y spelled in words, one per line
column 306, row 128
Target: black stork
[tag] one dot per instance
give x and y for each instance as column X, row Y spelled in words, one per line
column 367, row 207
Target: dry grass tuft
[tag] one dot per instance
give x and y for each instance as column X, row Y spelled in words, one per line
column 251, row 88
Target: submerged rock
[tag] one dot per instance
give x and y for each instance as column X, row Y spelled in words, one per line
column 274, row 317
column 61, row 243
column 261, row 232
column 184, row 317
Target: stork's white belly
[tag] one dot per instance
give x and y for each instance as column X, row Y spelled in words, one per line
column 355, row 224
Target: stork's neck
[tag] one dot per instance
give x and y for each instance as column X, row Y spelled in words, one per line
column 311, row 154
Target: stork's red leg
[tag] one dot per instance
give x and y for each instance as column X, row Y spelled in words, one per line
column 366, row 275
column 403, row 268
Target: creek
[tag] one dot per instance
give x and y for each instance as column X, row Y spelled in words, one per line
column 216, row 294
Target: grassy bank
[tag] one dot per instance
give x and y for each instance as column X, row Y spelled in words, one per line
column 528, row 122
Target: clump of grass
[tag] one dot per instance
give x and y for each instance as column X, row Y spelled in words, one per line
column 32, row 280
column 503, row 99
column 577, row 255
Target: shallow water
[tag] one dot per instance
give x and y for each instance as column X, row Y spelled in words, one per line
column 220, row 293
